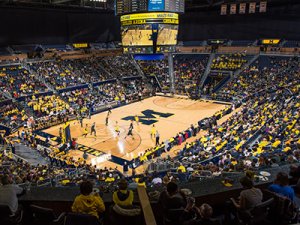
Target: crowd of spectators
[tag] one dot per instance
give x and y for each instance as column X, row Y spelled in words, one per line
column 229, row 62
column 264, row 132
column 60, row 74
column 119, row 66
column 90, row 68
column 264, row 74
column 158, row 68
column 47, row 110
column 18, row 81
column 11, row 115
column 188, row 71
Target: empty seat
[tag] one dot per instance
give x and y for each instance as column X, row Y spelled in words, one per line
column 8, row 218
column 45, row 216
column 81, row 219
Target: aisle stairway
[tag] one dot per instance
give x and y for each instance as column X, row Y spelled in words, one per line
column 207, row 70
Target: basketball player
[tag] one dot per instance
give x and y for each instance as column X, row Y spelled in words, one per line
column 137, row 119
column 85, row 132
column 93, row 129
column 117, row 128
column 106, row 120
column 81, row 120
column 153, row 131
column 130, row 131
column 109, row 110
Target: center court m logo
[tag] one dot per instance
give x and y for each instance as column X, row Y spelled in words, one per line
column 149, row 117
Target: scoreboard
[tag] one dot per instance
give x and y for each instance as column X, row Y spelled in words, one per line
column 149, row 32
column 149, row 26
column 130, row 6
column 134, row 6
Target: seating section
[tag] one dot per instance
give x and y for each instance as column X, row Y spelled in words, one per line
column 11, row 115
column 4, row 51
column 229, row 62
column 119, row 66
column 188, row 71
column 59, row 74
column 2, row 97
column 91, row 69
column 160, row 69
column 242, row 42
column 266, row 119
column 48, row 110
column 291, row 44
column 57, row 47
column 260, row 71
column 18, row 81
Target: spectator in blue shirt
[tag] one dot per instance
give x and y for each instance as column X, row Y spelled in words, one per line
column 281, row 186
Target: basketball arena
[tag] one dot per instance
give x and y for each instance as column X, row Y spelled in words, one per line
column 153, row 112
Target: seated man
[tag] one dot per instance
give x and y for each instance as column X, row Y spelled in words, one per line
column 8, row 194
column 249, row 197
column 281, row 186
column 88, row 202
column 171, row 200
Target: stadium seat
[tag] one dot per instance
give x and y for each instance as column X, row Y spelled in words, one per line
column 80, row 219
column 172, row 216
column 283, row 211
column 117, row 219
column 257, row 215
column 7, row 218
column 45, row 216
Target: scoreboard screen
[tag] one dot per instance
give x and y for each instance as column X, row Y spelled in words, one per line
column 167, row 34
column 174, row 6
column 130, row 6
column 134, row 6
column 149, row 32
column 156, row 5
column 137, row 35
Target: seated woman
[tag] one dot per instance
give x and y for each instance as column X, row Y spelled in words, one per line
column 250, row 197
column 281, row 186
column 88, row 202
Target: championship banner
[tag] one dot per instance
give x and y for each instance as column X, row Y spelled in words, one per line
column 252, row 7
column 223, row 9
column 263, row 7
column 242, row 8
column 233, row 9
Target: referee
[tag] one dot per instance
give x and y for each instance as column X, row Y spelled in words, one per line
column 93, row 129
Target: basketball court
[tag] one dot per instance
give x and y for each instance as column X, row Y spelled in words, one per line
column 169, row 116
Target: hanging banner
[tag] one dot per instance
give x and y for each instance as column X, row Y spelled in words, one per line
column 242, row 8
column 252, row 7
column 224, row 9
column 233, row 9
column 263, row 7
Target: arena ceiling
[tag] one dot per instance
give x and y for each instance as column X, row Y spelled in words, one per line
column 190, row 5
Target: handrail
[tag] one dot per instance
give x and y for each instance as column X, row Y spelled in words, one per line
column 146, row 206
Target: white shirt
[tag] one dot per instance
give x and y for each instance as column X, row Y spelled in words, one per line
column 157, row 180
column 8, row 196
